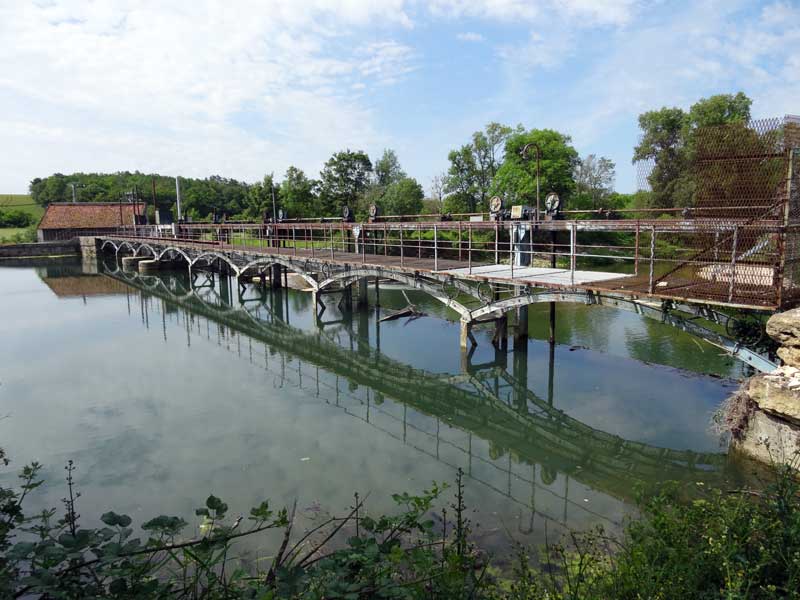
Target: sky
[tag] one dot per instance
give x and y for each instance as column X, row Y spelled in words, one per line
column 242, row 88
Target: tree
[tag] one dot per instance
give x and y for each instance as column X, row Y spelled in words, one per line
column 343, row 179
column 437, row 190
column 298, row 194
column 594, row 181
column 668, row 137
column 387, row 169
column 516, row 178
column 403, row 197
column 259, row 199
column 462, row 181
column 471, row 178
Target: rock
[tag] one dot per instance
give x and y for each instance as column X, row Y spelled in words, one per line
column 769, row 439
column 790, row 355
column 784, row 328
column 776, row 395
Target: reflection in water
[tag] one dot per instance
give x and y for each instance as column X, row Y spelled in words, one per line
column 517, row 445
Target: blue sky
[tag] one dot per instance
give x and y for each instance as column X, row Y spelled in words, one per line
column 241, row 88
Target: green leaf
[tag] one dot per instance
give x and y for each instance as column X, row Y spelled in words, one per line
column 213, row 502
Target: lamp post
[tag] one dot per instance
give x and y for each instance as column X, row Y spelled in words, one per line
column 524, row 154
column 73, row 186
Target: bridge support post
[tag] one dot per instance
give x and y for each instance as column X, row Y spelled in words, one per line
column 500, row 339
column 276, row 276
column 361, row 296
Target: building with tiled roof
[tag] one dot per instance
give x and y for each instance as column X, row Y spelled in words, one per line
column 65, row 220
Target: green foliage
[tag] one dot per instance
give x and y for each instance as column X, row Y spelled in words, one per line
column 516, row 178
column 403, row 197
column 298, row 194
column 473, row 168
column 668, row 139
column 343, row 179
column 21, row 202
column 687, row 544
column 388, row 169
column 15, row 218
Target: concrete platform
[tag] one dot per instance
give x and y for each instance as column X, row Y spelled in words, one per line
column 543, row 276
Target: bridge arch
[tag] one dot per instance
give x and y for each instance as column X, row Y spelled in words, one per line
column 109, row 243
column 147, row 247
column 434, row 290
column 176, row 250
column 289, row 264
column 218, row 255
column 645, row 307
column 123, row 245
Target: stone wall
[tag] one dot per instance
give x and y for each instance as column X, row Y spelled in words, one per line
column 769, row 427
column 40, row 249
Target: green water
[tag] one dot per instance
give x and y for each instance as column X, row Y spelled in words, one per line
column 163, row 394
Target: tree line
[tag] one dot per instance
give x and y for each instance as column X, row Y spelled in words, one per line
column 489, row 164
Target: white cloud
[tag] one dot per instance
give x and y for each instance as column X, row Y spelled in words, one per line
column 170, row 78
column 469, row 36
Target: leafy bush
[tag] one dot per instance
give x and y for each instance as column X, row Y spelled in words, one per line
column 733, row 545
column 15, row 218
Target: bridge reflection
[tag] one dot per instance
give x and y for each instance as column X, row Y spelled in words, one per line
column 509, row 439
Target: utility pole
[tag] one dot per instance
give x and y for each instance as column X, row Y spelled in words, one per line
column 74, row 185
column 272, row 189
column 178, row 196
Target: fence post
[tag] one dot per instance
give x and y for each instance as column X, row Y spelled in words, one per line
column 636, row 251
column 496, row 242
column 401, row 244
column 435, row 249
column 733, row 263
column 469, row 247
column 652, row 256
column 459, row 241
column 573, row 242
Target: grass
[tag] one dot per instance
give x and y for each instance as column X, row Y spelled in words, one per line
column 21, row 202
column 7, row 234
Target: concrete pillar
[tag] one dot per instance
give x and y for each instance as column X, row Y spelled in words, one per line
column 464, row 337
column 146, row 266
column 276, row 276
column 129, row 262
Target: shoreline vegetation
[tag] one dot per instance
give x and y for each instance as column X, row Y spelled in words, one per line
column 698, row 543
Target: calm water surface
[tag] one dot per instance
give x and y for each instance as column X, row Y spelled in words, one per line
column 163, row 394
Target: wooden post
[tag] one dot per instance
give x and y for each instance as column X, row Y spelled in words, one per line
column 435, row 249
column 733, row 264
column 636, row 251
column 401, row 244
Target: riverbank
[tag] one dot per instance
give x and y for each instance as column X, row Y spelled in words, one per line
column 705, row 544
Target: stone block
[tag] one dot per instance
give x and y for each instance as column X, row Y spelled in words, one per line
column 784, row 327
column 777, row 395
column 769, row 439
column 790, row 355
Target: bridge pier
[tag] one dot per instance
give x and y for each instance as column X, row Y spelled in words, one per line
column 275, row 271
column 361, row 293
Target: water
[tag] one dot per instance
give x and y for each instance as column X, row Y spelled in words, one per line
column 162, row 395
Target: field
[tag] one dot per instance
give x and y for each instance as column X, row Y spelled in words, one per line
column 21, row 202
column 7, row 234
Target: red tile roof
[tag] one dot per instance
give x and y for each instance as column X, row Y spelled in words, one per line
column 89, row 215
